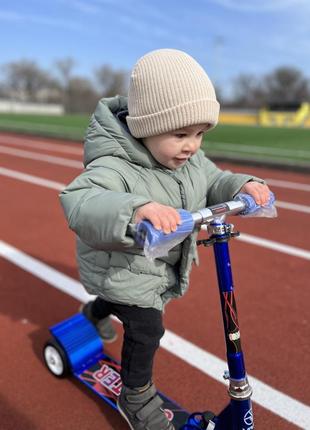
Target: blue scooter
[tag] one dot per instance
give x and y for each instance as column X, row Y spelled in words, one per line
column 76, row 348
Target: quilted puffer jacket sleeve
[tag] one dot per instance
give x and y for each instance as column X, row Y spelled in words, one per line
column 223, row 185
column 99, row 210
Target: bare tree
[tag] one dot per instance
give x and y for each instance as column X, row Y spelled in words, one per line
column 64, row 68
column 248, row 91
column 286, row 85
column 219, row 93
column 81, row 96
column 111, row 82
column 24, row 80
column 283, row 87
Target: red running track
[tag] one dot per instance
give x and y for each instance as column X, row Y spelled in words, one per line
column 272, row 292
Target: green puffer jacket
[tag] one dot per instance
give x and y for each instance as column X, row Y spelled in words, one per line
column 99, row 204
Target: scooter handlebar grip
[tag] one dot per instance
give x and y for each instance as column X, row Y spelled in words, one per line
column 251, row 206
column 146, row 231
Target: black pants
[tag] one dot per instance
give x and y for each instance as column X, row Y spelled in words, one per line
column 143, row 328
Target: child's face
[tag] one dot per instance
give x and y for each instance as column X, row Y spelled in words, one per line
column 173, row 149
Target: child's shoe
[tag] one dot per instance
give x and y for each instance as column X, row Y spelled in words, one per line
column 104, row 326
column 141, row 408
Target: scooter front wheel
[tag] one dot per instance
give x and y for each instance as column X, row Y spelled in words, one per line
column 56, row 359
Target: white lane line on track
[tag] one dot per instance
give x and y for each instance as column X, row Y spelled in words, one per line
column 59, row 186
column 293, row 206
column 41, row 144
column 288, row 184
column 275, row 246
column 254, row 240
column 41, row 157
column 41, row 181
column 271, row 399
column 74, row 163
column 36, row 180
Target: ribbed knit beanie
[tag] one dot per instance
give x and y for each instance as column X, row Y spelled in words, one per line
column 169, row 90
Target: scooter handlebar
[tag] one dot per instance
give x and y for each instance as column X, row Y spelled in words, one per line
column 157, row 243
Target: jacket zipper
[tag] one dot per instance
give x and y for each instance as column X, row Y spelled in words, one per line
column 181, row 187
column 182, row 192
column 184, row 206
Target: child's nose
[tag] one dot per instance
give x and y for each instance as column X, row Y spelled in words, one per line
column 190, row 146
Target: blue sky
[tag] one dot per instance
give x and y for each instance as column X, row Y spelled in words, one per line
column 227, row 37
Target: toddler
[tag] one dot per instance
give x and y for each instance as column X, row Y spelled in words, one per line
column 143, row 161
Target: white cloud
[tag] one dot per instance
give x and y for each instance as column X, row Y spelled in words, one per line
column 39, row 19
column 85, row 7
column 259, row 5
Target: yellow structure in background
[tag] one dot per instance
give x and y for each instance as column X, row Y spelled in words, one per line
column 298, row 118
column 268, row 118
column 238, row 118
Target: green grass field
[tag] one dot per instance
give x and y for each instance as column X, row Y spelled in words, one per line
column 67, row 126
column 280, row 145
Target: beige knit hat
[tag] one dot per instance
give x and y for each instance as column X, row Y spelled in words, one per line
column 169, row 90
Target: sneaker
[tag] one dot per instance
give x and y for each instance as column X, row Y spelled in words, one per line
column 104, row 326
column 142, row 410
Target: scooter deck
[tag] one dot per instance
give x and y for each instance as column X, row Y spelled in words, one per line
column 103, row 377
column 90, row 364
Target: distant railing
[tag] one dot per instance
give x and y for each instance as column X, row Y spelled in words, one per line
column 10, row 106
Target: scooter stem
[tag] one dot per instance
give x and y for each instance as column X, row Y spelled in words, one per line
column 239, row 389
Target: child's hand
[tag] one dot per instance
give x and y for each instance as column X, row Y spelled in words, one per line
column 162, row 217
column 260, row 192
